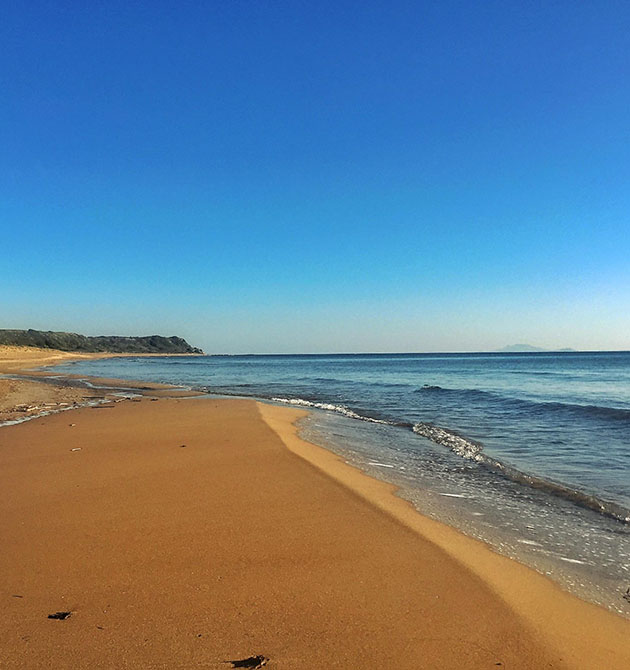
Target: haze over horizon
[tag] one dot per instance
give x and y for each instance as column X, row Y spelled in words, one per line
column 254, row 178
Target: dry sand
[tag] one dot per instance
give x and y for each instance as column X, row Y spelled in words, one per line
column 182, row 533
column 13, row 358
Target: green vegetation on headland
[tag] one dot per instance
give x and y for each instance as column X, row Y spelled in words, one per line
column 151, row 344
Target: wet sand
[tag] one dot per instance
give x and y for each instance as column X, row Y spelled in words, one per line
column 21, row 397
column 181, row 533
column 30, row 392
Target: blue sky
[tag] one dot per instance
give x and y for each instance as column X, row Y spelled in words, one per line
column 291, row 176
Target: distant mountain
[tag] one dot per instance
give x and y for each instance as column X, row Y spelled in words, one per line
column 151, row 344
column 519, row 348
column 526, row 348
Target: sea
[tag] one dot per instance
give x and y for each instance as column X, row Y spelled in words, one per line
column 529, row 453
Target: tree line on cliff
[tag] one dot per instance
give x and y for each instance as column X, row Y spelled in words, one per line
column 150, row 344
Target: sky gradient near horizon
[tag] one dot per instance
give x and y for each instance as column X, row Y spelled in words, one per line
column 318, row 177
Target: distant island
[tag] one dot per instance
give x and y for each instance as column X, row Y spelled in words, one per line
column 526, row 348
column 115, row 344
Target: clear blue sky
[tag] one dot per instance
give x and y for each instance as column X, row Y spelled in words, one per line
column 322, row 176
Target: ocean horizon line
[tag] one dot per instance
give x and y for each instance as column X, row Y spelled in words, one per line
column 494, row 352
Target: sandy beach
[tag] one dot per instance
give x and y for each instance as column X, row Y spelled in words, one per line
column 184, row 533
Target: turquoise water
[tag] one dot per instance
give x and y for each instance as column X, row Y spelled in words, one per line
column 529, row 452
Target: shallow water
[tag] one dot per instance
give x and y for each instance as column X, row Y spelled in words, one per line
column 585, row 552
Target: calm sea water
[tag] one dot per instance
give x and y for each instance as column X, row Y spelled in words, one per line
column 529, row 452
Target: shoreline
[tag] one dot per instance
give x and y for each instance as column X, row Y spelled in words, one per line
column 523, row 588
column 582, row 634
column 604, row 586
column 28, row 392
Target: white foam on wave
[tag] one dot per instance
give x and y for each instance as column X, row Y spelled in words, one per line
column 461, row 446
column 380, row 465
column 340, row 409
column 453, row 495
column 532, row 543
column 571, row 560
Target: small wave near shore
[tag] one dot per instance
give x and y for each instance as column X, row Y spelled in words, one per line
column 473, row 450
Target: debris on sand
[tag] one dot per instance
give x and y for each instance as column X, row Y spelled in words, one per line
column 252, row 662
column 60, row 615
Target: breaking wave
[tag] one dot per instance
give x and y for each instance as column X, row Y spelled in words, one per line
column 473, row 451
column 460, row 445
column 340, row 409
